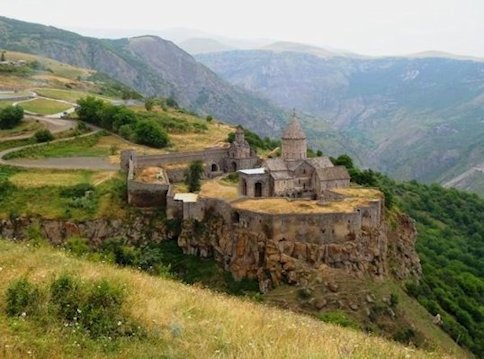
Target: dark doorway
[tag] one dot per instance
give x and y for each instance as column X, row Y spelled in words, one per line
column 244, row 187
column 234, row 167
column 235, row 217
column 214, row 168
column 258, row 190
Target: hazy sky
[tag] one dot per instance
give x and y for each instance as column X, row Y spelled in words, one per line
column 365, row 26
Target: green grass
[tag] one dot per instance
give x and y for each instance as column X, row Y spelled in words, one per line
column 44, row 106
column 66, row 95
column 25, row 127
column 82, row 146
column 5, row 145
column 5, row 103
column 30, row 196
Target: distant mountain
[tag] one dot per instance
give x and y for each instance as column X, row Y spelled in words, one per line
column 419, row 118
column 199, row 45
column 149, row 64
column 286, row 46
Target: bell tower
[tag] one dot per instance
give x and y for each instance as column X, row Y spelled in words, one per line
column 294, row 143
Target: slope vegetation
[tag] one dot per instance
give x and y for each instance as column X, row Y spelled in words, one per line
column 179, row 321
column 149, row 64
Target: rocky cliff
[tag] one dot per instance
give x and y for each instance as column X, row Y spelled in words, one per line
column 376, row 252
column 56, row 231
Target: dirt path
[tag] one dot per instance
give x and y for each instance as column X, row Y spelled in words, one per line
column 52, row 124
column 92, row 163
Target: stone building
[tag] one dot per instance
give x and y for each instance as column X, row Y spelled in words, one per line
column 293, row 174
column 150, row 191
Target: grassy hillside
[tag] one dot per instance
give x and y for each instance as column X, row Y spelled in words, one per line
column 450, row 242
column 56, row 80
column 151, row 65
column 176, row 321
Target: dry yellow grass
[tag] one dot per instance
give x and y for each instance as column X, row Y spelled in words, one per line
column 215, row 137
column 284, row 206
column 209, row 325
column 40, row 178
column 220, row 189
column 359, row 192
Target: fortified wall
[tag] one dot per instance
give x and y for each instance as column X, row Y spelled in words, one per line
column 290, row 247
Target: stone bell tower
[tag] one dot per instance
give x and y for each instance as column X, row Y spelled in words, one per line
column 294, row 143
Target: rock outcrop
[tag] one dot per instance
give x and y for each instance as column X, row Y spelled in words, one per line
column 376, row 251
column 57, row 231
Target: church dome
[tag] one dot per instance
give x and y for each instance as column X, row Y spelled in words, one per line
column 294, row 130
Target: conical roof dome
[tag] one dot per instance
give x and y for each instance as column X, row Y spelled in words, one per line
column 294, row 130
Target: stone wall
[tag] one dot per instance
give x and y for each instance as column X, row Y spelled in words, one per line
column 288, row 248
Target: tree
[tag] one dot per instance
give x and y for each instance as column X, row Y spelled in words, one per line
column 344, row 160
column 11, row 116
column 90, row 109
column 193, row 176
column 149, row 103
column 151, row 134
column 43, row 135
column 170, row 102
column 209, row 118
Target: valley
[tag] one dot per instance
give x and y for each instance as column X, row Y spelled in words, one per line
column 67, row 202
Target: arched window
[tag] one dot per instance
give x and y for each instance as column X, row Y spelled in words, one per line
column 214, row 167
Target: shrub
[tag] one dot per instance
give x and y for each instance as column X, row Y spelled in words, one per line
column 151, row 134
column 11, row 116
column 6, row 187
column 22, row 297
column 43, row 135
column 66, row 297
column 209, row 118
column 77, row 246
column 194, row 175
column 338, row 317
column 77, row 191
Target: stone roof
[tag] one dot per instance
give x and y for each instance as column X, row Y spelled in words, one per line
column 320, row 162
column 294, row 130
column 333, row 173
column 282, row 175
column 275, row 164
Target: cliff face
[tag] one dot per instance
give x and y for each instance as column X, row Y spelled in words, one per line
column 96, row 231
column 376, row 251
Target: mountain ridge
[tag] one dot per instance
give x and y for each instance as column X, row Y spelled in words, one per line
column 412, row 118
column 127, row 60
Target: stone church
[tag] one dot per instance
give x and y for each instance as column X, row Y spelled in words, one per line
column 293, row 174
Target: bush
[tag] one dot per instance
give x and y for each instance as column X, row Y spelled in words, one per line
column 6, row 187
column 22, row 297
column 43, row 135
column 77, row 191
column 77, row 246
column 151, row 134
column 11, row 116
column 209, row 118
column 338, row 317
column 66, row 297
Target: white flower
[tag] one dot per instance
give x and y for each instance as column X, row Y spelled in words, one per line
column 24, row 315
column 119, row 323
